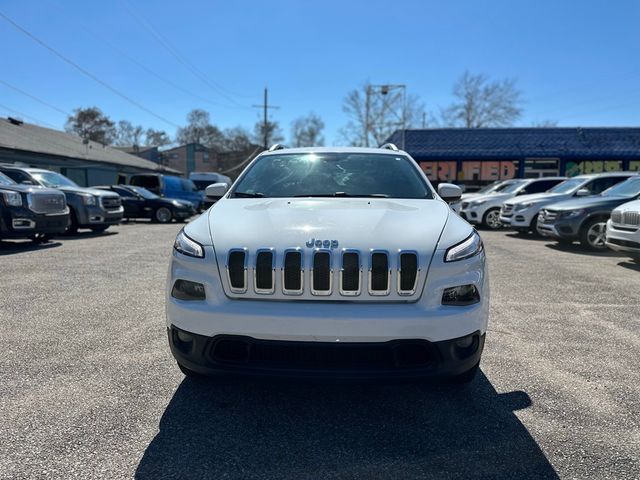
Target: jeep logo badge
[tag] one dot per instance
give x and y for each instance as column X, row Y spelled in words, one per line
column 322, row 243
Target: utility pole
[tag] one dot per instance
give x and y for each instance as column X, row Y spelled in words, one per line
column 265, row 126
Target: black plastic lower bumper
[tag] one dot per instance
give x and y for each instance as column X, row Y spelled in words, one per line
column 396, row 359
column 38, row 223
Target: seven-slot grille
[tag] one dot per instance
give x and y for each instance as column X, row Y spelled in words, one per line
column 261, row 275
column 110, row 203
column 47, row 203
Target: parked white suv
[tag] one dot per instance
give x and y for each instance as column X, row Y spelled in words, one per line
column 521, row 213
column 623, row 229
column 329, row 262
column 485, row 210
column 494, row 187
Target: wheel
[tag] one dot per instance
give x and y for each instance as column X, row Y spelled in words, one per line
column 72, row 229
column 189, row 373
column 163, row 215
column 492, row 219
column 466, row 377
column 592, row 234
column 99, row 229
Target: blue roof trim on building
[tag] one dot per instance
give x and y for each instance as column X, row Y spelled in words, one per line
column 513, row 143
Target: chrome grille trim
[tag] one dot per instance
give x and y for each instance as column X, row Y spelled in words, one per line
column 47, row 203
column 246, row 259
column 316, row 251
column 415, row 282
column 350, row 293
column 109, row 202
column 378, row 293
column 282, row 269
column 265, row 291
column 631, row 218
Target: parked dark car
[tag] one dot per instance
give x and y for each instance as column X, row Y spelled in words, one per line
column 585, row 219
column 90, row 208
column 139, row 202
column 31, row 212
column 168, row 186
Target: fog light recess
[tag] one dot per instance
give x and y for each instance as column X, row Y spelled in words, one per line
column 461, row 295
column 186, row 290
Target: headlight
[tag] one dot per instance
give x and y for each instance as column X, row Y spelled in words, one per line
column 187, row 246
column 522, row 206
column 88, row 199
column 573, row 213
column 465, row 249
column 12, row 199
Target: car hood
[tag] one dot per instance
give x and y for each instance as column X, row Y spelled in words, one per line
column 92, row 191
column 589, row 202
column 496, row 198
column 538, row 198
column 355, row 223
column 632, row 206
column 22, row 188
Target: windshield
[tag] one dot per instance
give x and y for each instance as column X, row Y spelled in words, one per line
column 567, row 186
column 53, row 179
column 143, row 192
column 628, row 188
column 513, row 187
column 4, row 180
column 333, row 175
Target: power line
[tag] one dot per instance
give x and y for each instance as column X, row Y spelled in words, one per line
column 178, row 56
column 140, row 64
column 33, row 97
column 86, row 72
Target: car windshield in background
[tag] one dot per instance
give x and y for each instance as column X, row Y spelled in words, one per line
column 143, row 192
column 512, row 187
column 567, row 186
column 4, row 180
column 53, row 179
column 628, row 188
column 333, row 175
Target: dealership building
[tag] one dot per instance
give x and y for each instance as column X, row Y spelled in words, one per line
column 85, row 162
column 477, row 156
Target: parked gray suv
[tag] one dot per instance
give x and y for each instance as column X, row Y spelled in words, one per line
column 89, row 207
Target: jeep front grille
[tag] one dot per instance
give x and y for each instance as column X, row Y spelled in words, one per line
column 330, row 273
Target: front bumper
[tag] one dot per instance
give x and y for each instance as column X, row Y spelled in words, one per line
column 561, row 229
column 518, row 218
column 20, row 222
column 623, row 239
column 93, row 216
column 242, row 355
column 472, row 215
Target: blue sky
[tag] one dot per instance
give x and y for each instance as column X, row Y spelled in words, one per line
column 577, row 62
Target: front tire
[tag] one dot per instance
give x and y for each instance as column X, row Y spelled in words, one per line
column 592, row 234
column 73, row 223
column 163, row 215
column 492, row 219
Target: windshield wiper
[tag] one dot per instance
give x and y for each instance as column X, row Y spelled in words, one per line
column 344, row 194
column 248, row 195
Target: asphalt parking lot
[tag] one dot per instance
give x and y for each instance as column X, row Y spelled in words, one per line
column 89, row 388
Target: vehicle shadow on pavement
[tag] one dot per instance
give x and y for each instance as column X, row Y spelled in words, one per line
column 630, row 265
column 10, row 248
column 578, row 249
column 234, row 429
column 527, row 236
column 87, row 234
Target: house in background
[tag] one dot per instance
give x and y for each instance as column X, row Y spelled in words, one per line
column 477, row 156
column 85, row 162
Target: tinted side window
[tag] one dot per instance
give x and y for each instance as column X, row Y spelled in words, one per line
column 542, row 186
column 599, row 185
column 123, row 192
column 150, row 182
column 16, row 175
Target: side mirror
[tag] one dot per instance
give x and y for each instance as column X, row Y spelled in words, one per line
column 449, row 192
column 583, row 192
column 216, row 191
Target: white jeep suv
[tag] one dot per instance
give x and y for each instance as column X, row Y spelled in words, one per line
column 485, row 210
column 336, row 262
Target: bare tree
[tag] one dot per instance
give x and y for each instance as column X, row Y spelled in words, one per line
column 374, row 116
column 200, row 130
column 307, row 131
column 156, row 138
column 128, row 134
column 481, row 102
column 91, row 124
column 236, row 139
column 274, row 132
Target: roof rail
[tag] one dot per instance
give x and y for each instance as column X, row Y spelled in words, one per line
column 390, row 146
column 276, row 146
